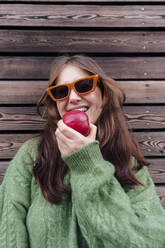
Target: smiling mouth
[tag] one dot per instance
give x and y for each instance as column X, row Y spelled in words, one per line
column 83, row 109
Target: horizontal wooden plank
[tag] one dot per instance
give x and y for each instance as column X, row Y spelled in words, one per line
column 145, row 116
column 10, row 143
column 26, row 118
column 157, row 170
column 21, row 92
column 29, row 92
column 82, row 15
column 38, row 67
column 81, row 41
column 20, row 118
column 151, row 143
column 143, row 91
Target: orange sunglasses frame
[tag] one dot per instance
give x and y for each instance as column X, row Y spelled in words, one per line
column 71, row 85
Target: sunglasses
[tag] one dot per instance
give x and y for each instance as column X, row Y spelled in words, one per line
column 82, row 86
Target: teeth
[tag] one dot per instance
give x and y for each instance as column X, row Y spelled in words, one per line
column 82, row 109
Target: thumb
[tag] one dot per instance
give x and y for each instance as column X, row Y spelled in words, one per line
column 93, row 131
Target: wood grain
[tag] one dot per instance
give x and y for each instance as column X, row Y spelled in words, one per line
column 145, row 117
column 37, row 30
column 21, row 92
column 30, row 91
column 38, row 67
column 10, row 143
column 151, row 143
column 157, row 170
column 144, row 91
column 82, row 15
column 20, row 118
column 27, row 118
column 81, row 41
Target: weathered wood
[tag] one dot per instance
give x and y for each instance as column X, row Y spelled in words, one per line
column 26, row 118
column 15, row 67
column 21, row 92
column 151, row 143
column 145, row 116
column 81, row 41
column 82, row 15
column 157, row 170
column 20, row 118
column 144, row 91
column 10, row 143
column 29, row 92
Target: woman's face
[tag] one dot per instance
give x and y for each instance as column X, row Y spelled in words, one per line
column 91, row 103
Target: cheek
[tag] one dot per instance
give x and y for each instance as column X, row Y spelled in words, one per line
column 96, row 99
column 60, row 107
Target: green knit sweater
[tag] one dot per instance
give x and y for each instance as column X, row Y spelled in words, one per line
column 100, row 213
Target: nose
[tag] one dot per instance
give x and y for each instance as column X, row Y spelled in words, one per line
column 74, row 97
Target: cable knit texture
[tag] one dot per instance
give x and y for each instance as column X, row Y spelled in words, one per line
column 100, row 213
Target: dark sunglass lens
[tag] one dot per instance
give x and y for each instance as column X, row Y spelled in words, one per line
column 60, row 92
column 84, row 85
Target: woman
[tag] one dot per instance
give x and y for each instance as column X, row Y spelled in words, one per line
column 63, row 189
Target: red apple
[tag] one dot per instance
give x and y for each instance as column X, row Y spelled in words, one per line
column 78, row 120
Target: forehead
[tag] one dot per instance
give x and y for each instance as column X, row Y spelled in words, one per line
column 70, row 73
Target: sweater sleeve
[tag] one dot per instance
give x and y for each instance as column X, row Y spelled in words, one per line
column 15, row 200
column 108, row 214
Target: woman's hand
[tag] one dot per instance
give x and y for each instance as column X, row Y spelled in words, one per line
column 70, row 140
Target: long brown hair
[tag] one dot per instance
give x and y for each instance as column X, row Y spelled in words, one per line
column 117, row 142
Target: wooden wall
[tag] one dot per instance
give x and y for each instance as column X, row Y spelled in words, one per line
column 127, row 38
